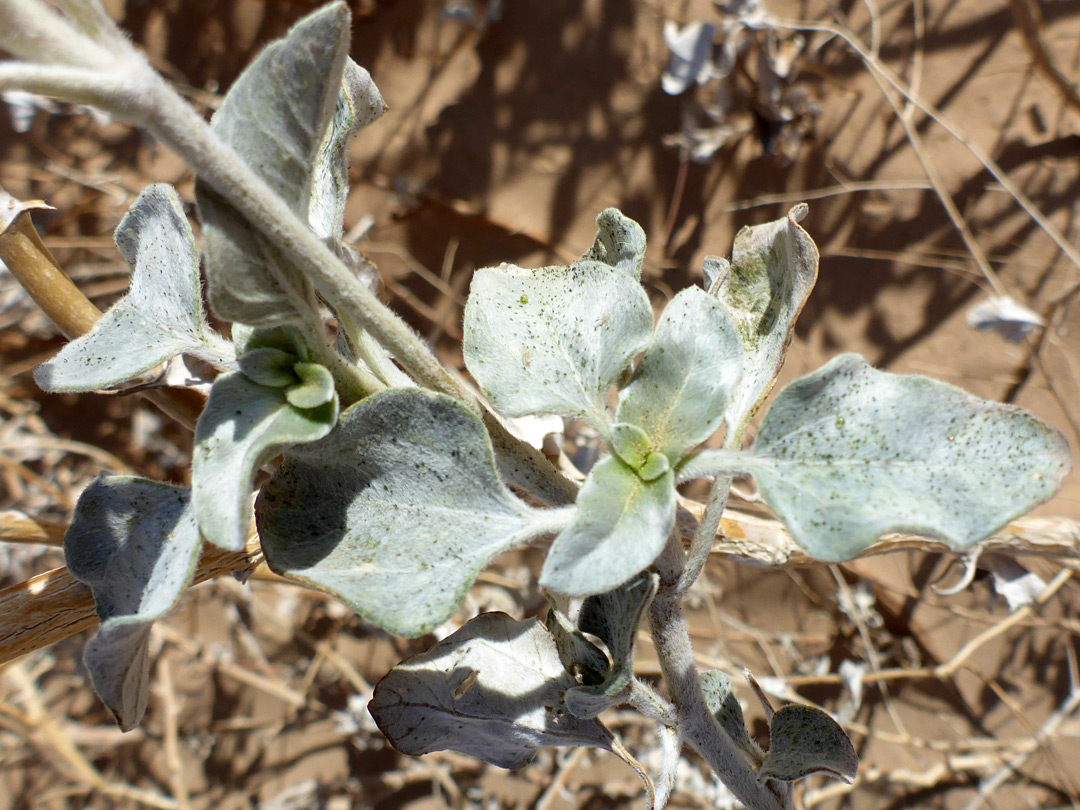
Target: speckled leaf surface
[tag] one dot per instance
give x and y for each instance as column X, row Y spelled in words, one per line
column 613, row 617
column 620, row 527
column 725, row 707
column 553, row 340
column 492, row 690
column 849, row 453
column 687, row 376
column 359, row 104
column 620, row 242
column 243, row 426
column 773, row 269
column 135, row 543
column 276, row 116
column 395, row 513
column 160, row 317
column 805, row 740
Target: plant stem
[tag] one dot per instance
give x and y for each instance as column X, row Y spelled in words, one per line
column 671, row 637
column 702, row 542
column 171, row 120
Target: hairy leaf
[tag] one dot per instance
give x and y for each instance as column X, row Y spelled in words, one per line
column 583, row 660
column 135, row 543
column 160, row 317
column 631, row 444
column 773, row 269
column 359, row 104
column 492, row 690
column 849, row 453
column 613, row 617
column 621, row 526
column 725, row 707
column 395, row 512
column 243, row 426
column 553, row 340
column 620, row 242
column 805, row 740
column 689, row 373
column 276, row 116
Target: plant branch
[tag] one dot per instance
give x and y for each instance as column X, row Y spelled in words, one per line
column 135, row 92
column 697, row 725
column 744, row 538
column 53, row 606
column 172, row 120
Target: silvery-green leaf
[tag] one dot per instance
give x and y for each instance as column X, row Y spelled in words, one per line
column 805, row 740
column 316, row 387
column 396, row 511
column 492, row 690
column 725, row 707
column 714, row 269
column 160, row 317
column 849, row 453
column 773, row 269
column 271, row 367
column 359, row 104
column 631, row 444
column 135, row 543
column 687, row 376
column 613, row 617
column 583, row 660
column 620, row 527
column 619, row 242
column 553, row 340
column 276, row 116
column 243, row 426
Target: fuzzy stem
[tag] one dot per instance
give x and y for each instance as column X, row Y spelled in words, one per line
column 697, row 725
column 171, row 120
column 702, row 542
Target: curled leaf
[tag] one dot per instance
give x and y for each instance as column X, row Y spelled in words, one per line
column 492, row 690
column 725, row 707
column 276, row 116
column 691, row 56
column 160, row 317
column 620, row 242
column 805, row 740
column 772, row 271
column 1002, row 314
column 359, row 104
column 613, row 617
column 135, row 543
